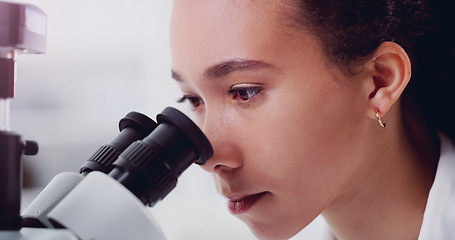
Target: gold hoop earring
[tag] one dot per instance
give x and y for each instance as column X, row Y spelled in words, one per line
column 382, row 123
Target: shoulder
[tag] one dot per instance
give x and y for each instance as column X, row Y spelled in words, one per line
column 439, row 217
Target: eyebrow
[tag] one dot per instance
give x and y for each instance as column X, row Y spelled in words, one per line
column 222, row 69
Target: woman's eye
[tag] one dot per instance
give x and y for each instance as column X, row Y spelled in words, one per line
column 244, row 94
column 193, row 100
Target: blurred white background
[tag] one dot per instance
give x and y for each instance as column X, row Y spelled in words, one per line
column 104, row 59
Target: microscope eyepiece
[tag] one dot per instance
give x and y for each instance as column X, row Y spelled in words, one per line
column 149, row 168
column 134, row 126
column 200, row 141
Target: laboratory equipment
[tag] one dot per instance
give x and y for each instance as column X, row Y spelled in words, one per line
column 109, row 197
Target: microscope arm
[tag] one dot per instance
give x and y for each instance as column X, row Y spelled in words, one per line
column 35, row 215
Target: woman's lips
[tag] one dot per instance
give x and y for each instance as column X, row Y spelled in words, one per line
column 241, row 204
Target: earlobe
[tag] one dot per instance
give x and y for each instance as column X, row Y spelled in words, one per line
column 389, row 74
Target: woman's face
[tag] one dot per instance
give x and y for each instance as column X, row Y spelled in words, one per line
column 285, row 125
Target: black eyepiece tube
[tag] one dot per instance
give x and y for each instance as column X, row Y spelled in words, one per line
column 134, row 126
column 149, row 168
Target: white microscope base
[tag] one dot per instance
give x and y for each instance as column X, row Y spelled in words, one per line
column 37, row 234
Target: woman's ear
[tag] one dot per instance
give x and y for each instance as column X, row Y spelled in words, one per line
column 390, row 72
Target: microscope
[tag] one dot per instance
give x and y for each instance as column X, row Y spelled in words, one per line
column 109, row 197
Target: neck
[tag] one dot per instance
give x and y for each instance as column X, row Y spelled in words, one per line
column 388, row 200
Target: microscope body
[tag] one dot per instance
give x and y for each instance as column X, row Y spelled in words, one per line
column 109, row 198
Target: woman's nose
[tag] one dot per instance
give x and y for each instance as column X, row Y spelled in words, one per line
column 227, row 153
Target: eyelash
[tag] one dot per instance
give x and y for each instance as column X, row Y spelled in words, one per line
column 195, row 101
column 243, row 94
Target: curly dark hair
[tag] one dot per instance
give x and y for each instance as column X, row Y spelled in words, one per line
column 351, row 30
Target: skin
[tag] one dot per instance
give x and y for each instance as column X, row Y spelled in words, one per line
column 286, row 123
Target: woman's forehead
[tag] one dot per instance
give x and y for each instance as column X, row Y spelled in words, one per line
column 224, row 13
column 213, row 31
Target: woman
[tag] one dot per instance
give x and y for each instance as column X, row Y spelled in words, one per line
column 321, row 108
